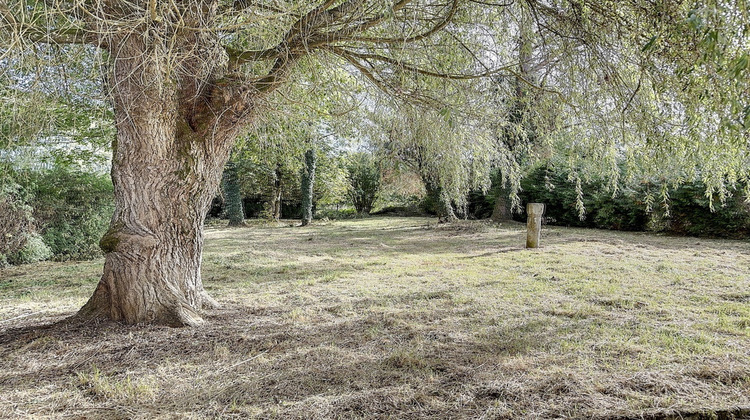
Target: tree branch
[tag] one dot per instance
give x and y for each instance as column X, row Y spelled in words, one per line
column 447, row 18
column 413, row 68
column 34, row 33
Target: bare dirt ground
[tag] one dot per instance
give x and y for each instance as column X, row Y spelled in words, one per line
column 400, row 318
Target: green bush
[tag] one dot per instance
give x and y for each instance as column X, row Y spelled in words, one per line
column 689, row 208
column 690, row 214
column 430, row 202
column 409, row 210
column 626, row 211
column 73, row 209
column 346, row 213
column 480, row 205
column 559, row 196
column 16, row 222
column 364, row 181
column 33, row 250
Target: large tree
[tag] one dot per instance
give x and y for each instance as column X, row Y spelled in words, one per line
column 186, row 77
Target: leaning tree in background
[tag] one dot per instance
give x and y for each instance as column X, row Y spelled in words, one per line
column 277, row 159
column 185, row 78
column 451, row 153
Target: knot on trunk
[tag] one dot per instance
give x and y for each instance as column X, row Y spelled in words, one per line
column 118, row 238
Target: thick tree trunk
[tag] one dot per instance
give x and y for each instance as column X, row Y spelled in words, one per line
column 155, row 240
column 501, row 212
column 308, row 180
column 165, row 173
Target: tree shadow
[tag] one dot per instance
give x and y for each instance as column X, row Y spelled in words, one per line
column 67, row 326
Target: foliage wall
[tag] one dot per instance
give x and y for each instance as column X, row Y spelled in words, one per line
column 59, row 213
column 685, row 210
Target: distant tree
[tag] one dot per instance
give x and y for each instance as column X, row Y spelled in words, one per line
column 233, row 196
column 276, row 193
column 308, row 182
column 449, row 151
column 364, row 181
column 519, row 128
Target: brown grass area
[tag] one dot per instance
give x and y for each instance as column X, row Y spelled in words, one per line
column 399, row 318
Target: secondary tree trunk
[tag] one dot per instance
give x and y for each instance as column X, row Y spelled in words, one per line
column 443, row 207
column 501, row 212
column 276, row 194
column 308, row 180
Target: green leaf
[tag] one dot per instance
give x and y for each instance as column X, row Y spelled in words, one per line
column 740, row 65
column 650, row 44
column 694, row 20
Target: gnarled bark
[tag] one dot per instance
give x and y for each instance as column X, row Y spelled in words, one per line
column 166, row 168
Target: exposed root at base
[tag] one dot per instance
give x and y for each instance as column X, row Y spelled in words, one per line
column 175, row 313
column 184, row 317
column 208, row 302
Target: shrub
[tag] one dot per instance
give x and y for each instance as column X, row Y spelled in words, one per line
column 33, row 250
column 346, row 213
column 480, row 205
column 430, row 202
column 626, row 211
column 689, row 208
column 690, row 214
column 16, row 223
column 364, row 181
column 411, row 209
column 73, row 209
column 559, row 196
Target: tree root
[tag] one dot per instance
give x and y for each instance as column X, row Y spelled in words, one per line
column 173, row 311
column 208, row 302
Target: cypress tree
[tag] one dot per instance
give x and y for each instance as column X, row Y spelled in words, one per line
column 308, row 179
column 234, row 209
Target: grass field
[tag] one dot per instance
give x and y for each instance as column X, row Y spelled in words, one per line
column 399, row 318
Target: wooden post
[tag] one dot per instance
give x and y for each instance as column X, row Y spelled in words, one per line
column 534, row 212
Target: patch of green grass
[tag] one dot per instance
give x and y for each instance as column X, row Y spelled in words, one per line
column 128, row 391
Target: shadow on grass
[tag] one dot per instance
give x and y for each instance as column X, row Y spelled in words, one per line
column 375, row 362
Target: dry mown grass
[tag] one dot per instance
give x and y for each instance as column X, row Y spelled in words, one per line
column 399, row 318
